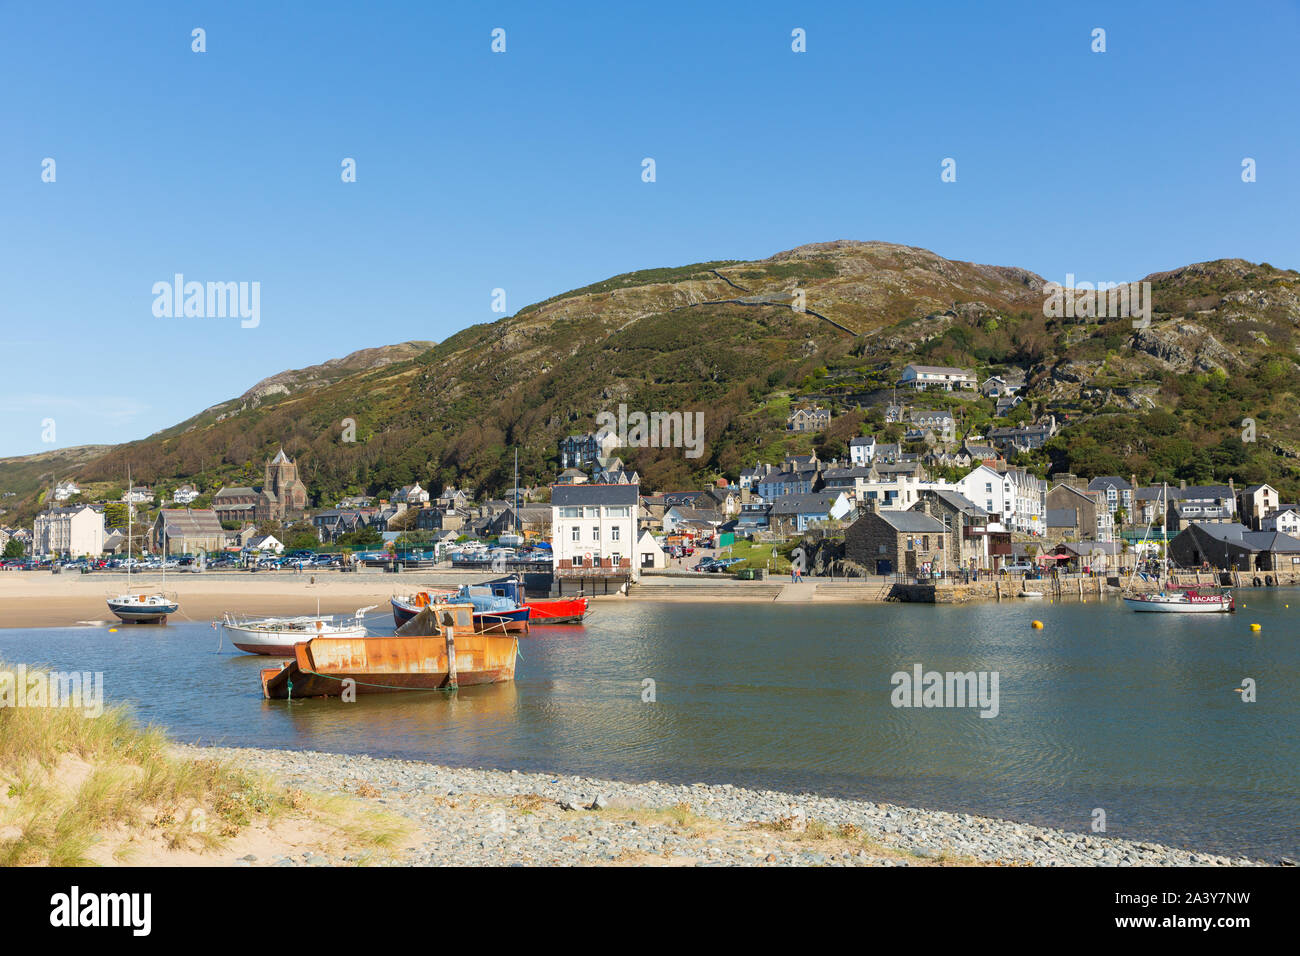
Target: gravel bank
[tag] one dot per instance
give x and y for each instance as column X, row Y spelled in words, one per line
column 500, row 817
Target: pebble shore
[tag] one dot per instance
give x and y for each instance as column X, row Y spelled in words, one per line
column 467, row 817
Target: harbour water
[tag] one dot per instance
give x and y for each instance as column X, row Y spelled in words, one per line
column 1138, row 715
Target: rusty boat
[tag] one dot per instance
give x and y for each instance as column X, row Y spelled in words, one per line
column 438, row 649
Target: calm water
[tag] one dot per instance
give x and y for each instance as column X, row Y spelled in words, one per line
column 1102, row 708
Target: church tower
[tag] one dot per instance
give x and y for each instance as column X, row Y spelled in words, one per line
column 288, row 495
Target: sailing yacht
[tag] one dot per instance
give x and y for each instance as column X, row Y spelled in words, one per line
column 141, row 608
column 1172, row 599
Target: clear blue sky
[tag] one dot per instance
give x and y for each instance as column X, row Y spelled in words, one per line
column 522, row 170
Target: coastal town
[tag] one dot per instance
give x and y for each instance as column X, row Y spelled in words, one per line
column 942, row 503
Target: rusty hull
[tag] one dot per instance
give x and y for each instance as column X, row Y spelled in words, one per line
column 381, row 665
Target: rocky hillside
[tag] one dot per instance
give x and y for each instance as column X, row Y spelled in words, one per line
column 1166, row 401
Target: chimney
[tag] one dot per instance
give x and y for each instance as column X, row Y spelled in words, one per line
column 1182, row 484
column 873, row 505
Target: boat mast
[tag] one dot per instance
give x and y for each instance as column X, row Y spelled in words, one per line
column 128, row 529
column 1164, row 528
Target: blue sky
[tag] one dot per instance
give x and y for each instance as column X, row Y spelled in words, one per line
column 522, row 170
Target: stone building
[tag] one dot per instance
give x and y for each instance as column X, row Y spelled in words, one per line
column 187, row 531
column 891, row 542
column 282, row 496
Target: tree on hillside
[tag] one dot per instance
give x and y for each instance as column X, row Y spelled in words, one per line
column 301, row 534
column 363, row 539
column 13, row 548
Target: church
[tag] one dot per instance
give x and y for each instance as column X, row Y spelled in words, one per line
column 282, row 496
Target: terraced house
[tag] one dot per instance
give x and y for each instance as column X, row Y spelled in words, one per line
column 1015, row 500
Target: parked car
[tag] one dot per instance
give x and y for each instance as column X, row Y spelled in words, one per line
column 1019, row 568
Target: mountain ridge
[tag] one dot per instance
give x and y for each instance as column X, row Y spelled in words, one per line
column 722, row 337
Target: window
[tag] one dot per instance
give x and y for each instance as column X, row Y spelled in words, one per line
column 614, row 533
column 570, row 512
column 595, row 532
column 577, row 533
column 622, row 512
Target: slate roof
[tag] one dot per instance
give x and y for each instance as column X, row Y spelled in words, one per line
column 191, row 522
column 590, row 494
column 913, row 522
column 1243, row 537
column 816, row 503
column 1105, row 481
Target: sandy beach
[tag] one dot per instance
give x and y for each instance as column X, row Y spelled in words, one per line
column 45, row 599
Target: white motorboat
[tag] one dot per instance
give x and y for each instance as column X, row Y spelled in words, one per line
column 276, row 636
column 1030, row 594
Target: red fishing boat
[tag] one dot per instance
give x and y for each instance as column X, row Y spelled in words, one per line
column 567, row 610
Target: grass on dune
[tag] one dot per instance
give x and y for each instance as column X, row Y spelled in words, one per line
column 68, row 780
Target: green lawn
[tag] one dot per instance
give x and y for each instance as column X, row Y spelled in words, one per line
column 758, row 555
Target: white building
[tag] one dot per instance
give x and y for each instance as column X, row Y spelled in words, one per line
column 650, row 554
column 265, row 544
column 898, row 492
column 938, row 377
column 1285, row 519
column 1015, row 501
column 69, row 531
column 411, row 495
column 862, row 450
column 594, row 527
column 65, row 490
column 138, row 495
column 185, row 494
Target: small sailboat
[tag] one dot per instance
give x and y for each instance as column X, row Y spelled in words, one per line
column 1173, row 599
column 276, row 636
column 142, row 608
column 1181, row 600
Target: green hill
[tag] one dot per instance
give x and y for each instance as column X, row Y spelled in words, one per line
column 1166, row 402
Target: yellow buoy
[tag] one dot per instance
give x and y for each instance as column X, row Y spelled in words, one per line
column 1037, row 625
column 112, row 630
column 1254, row 627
